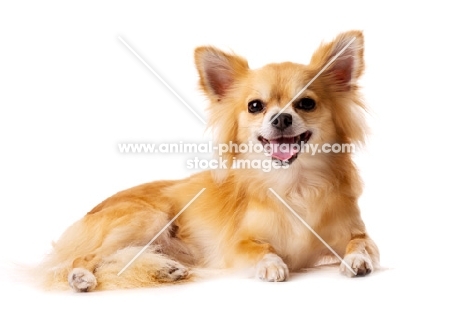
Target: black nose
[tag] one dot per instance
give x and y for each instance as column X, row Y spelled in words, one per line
column 281, row 121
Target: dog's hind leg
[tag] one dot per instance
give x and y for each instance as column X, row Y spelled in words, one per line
column 81, row 278
column 102, row 235
column 149, row 268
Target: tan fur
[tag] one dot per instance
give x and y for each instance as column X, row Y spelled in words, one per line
column 237, row 222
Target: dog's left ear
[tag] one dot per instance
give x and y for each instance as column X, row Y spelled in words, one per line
column 346, row 53
column 218, row 71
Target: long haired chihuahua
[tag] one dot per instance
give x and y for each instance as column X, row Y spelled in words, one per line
column 295, row 216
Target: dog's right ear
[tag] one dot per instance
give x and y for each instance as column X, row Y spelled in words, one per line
column 218, row 71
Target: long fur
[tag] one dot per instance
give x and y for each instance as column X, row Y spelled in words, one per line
column 237, row 222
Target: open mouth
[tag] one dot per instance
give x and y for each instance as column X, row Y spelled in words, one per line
column 285, row 149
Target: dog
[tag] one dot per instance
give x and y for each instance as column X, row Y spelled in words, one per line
column 301, row 213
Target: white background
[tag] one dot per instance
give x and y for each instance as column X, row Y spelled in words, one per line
column 70, row 91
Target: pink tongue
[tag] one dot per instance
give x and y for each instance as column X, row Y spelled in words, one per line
column 282, row 149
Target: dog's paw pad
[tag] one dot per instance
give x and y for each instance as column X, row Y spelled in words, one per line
column 272, row 269
column 356, row 265
column 82, row 280
column 174, row 271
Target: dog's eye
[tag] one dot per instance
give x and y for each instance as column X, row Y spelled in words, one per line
column 256, row 106
column 306, row 104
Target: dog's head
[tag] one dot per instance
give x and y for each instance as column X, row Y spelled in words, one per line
column 286, row 103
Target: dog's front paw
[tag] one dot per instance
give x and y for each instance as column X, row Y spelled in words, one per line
column 356, row 265
column 82, row 280
column 272, row 269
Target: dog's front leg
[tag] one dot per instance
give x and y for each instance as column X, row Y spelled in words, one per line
column 268, row 265
column 361, row 257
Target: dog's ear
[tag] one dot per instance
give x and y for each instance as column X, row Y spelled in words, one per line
column 344, row 57
column 218, row 71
